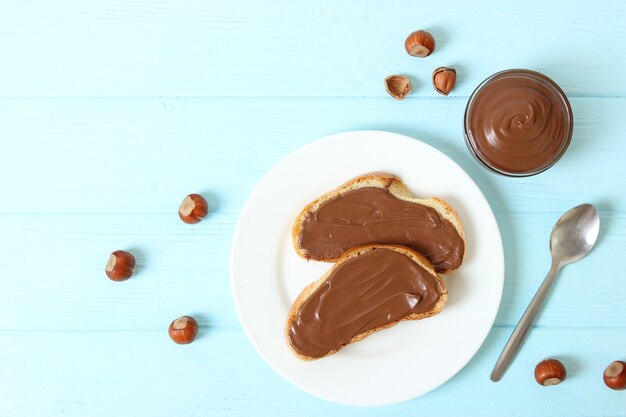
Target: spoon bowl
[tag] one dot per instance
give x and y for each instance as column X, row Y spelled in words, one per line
column 574, row 234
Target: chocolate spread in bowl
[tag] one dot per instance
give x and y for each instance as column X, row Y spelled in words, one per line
column 518, row 122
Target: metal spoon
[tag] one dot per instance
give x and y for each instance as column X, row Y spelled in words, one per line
column 573, row 236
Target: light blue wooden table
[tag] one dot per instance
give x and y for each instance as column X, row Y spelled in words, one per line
column 111, row 111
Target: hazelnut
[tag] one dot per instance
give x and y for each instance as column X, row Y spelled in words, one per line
column 121, row 265
column 398, row 86
column 615, row 375
column 183, row 330
column 444, row 80
column 193, row 209
column 549, row 372
column 420, row 43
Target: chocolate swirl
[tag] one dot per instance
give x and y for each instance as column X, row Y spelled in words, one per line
column 519, row 122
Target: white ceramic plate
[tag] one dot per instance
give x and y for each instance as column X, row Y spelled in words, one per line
column 392, row 365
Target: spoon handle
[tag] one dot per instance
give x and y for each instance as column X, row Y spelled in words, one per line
column 519, row 334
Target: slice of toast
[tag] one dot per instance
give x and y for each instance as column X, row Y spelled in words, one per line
column 443, row 244
column 367, row 290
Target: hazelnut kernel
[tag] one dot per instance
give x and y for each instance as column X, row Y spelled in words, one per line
column 444, row 80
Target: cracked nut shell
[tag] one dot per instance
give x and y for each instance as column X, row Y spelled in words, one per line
column 398, row 86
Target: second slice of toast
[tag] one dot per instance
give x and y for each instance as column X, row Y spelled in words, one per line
column 369, row 289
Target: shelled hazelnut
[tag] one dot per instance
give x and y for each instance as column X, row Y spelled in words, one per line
column 444, row 80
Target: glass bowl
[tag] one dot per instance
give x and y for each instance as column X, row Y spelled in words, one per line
column 518, row 123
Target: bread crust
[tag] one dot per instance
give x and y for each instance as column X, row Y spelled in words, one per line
column 378, row 180
column 352, row 253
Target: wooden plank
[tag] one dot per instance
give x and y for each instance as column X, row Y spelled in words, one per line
column 143, row 156
column 122, row 48
column 126, row 164
column 53, row 272
column 134, row 373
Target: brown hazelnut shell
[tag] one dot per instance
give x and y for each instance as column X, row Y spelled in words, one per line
column 183, row 330
column 550, row 372
column 193, row 209
column 615, row 375
column 398, row 86
column 120, row 266
column 420, row 44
